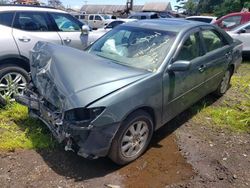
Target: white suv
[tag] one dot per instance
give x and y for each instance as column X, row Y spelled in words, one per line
column 21, row 27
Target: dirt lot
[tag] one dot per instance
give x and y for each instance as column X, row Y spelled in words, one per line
column 184, row 153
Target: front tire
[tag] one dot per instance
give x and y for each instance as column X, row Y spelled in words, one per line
column 132, row 139
column 13, row 80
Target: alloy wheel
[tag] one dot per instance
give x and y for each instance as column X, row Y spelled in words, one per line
column 134, row 139
column 11, row 84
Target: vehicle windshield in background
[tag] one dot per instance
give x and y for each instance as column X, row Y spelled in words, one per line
column 136, row 47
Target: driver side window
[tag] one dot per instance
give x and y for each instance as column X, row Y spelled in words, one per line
column 190, row 49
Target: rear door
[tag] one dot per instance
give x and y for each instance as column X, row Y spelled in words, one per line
column 70, row 30
column 217, row 57
column 31, row 27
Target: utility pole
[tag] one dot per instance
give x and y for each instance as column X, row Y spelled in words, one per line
column 130, row 4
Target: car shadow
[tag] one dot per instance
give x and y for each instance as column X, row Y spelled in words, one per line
column 69, row 165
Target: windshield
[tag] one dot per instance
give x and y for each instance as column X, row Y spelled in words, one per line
column 136, row 47
column 241, row 26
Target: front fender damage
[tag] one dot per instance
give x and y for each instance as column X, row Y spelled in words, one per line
column 82, row 137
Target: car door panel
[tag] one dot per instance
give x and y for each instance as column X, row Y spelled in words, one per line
column 217, row 58
column 31, row 27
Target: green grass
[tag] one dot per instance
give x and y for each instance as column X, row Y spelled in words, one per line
column 233, row 111
column 18, row 130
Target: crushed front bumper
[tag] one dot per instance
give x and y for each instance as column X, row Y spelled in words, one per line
column 91, row 141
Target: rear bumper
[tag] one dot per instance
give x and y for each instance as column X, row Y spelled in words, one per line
column 90, row 141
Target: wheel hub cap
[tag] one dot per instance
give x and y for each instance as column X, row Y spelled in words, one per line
column 11, row 84
column 134, row 139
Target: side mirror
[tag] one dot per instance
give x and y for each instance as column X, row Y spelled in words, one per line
column 179, row 66
column 242, row 31
column 85, row 30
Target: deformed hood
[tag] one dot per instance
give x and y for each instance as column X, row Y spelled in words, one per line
column 69, row 78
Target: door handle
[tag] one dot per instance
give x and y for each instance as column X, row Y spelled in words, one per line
column 24, row 39
column 202, row 68
column 67, row 40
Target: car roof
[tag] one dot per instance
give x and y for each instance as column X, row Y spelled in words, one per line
column 29, row 8
column 166, row 24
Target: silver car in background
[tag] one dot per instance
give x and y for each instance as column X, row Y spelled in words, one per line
column 242, row 33
column 21, row 27
column 96, row 34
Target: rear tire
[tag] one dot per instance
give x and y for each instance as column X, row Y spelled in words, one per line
column 13, row 80
column 224, row 84
column 132, row 139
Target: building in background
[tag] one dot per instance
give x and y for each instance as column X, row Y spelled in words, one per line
column 157, row 7
column 27, row 2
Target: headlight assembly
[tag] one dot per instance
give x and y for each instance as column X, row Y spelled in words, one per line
column 83, row 114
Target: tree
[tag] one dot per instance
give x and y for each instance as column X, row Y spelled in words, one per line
column 55, row 3
column 228, row 6
column 189, row 6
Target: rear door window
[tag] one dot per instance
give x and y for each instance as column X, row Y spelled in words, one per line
column 66, row 22
column 32, row 21
column 91, row 17
column 212, row 40
column 6, row 18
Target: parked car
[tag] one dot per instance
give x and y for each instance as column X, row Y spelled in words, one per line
column 233, row 20
column 96, row 34
column 97, row 21
column 110, row 99
column 144, row 15
column 242, row 33
column 21, row 27
column 206, row 19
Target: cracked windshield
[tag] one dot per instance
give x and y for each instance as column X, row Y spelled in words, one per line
column 135, row 47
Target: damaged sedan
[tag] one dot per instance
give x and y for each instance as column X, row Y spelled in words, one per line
column 109, row 100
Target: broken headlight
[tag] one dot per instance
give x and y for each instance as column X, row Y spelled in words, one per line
column 83, row 114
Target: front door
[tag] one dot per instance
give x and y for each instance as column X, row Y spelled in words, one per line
column 31, row 27
column 181, row 89
column 70, row 30
column 98, row 22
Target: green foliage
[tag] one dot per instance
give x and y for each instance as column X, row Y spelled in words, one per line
column 234, row 111
column 190, row 6
column 221, row 7
column 18, row 130
column 228, row 6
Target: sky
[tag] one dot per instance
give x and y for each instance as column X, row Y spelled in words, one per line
column 79, row 3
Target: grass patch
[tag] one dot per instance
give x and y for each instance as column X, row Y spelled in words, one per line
column 18, row 130
column 233, row 111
